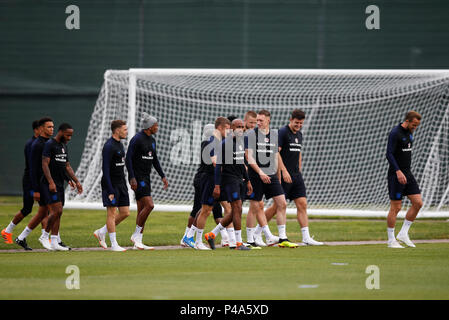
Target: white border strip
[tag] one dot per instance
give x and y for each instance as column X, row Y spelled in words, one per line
column 290, row 211
column 289, row 71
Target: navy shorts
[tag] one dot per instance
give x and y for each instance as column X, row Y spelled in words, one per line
column 48, row 197
column 397, row 191
column 270, row 190
column 28, row 200
column 207, row 190
column 143, row 188
column 232, row 191
column 296, row 189
column 121, row 196
column 216, row 210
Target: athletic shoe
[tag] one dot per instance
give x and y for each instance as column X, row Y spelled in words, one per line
column 405, row 239
column 140, row 246
column 182, row 242
column 252, row 245
column 312, row 242
column 272, row 241
column 56, row 247
column 23, row 244
column 7, row 237
column 201, row 246
column 210, row 236
column 240, row 246
column 62, row 244
column 285, row 243
column 101, row 238
column 394, row 244
column 189, row 242
column 117, row 248
column 45, row 243
column 258, row 241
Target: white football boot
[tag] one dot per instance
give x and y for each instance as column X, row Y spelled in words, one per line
column 394, row 244
column 405, row 239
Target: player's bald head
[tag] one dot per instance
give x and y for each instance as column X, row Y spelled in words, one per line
column 237, row 123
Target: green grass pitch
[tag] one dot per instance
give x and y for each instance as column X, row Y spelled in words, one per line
column 328, row 272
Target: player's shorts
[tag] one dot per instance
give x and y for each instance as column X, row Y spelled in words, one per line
column 296, row 189
column 397, row 190
column 28, row 200
column 121, row 196
column 207, row 190
column 48, row 197
column 270, row 190
column 143, row 188
column 232, row 191
column 197, row 182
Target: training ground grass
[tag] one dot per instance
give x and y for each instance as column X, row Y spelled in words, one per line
column 328, row 272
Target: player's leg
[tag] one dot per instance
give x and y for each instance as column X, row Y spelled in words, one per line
column 412, row 212
column 145, row 207
column 25, row 211
column 55, row 214
column 281, row 220
column 270, row 211
column 198, row 228
column 303, row 220
column 395, row 207
column 227, row 235
column 112, row 220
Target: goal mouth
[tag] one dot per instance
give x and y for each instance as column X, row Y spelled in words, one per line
column 349, row 114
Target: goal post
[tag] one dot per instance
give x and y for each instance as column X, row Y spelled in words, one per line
column 349, row 114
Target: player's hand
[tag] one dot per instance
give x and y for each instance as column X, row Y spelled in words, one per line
column 401, row 177
column 111, row 197
column 79, row 187
column 165, row 181
column 216, row 193
column 72, row 185
column 36, row 196
column 52, row 187
column 286, row 176
column 133, row 184
column 249, row 187
column 264, row 178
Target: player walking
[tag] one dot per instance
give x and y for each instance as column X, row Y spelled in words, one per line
column 290, row 144
column 262, row 153
column 55, row 167
column 141, row 156
column 113, row 185
column 401, row 181
column 26, row 188
column 230, row 176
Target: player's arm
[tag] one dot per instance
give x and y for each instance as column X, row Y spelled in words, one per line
column 282, row 169
column 73, row 177
column 249, row 186
column 391, row 147
column 35, row 154
column 132, row 147
column 106, row 168
column 47, row 174
column 252, row 163
column 158, row 168
column 300, row 162
column 217, row 169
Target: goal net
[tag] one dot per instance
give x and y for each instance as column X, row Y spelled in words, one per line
column 349, row 114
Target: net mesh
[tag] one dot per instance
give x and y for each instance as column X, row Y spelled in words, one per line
column 349, row 115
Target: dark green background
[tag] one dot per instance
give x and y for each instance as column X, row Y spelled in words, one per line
column 46, row 69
